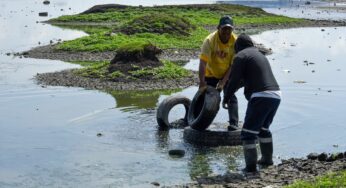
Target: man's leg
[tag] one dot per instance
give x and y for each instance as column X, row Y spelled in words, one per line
column 255, row 117
column 233, row 113
column 265, row 136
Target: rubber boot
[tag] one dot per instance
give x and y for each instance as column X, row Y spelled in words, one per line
column 250, row 155
column 266, row 145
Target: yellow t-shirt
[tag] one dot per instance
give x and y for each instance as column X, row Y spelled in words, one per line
column 218, row 56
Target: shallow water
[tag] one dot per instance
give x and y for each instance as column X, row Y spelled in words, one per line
column 49, row 134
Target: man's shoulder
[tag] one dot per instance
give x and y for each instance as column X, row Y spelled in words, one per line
column 211, row 36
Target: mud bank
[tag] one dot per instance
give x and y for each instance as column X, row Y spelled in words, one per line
column 69, row 79
column 285, row 173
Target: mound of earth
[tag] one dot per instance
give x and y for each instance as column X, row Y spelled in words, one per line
column 134, row 57
column 159, row 23
column 104, row 8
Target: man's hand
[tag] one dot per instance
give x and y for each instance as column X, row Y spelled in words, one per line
column 225, row 103
column 202, row 88
column 220, row 85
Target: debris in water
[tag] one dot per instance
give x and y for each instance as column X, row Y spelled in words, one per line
column 299, row 81
column 43, row 13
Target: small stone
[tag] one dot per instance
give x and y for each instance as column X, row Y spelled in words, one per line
column 46, row 2
column 312, row 156
column 176, row 153
column 313, row 71
column 43, row 13
column 99, row 134
column 322, row 30
column 322, row 157
column 329, row 91
column 155, row 183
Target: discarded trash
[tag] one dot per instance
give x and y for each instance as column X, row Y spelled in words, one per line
column 299, row 81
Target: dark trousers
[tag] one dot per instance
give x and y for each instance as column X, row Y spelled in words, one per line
column 232, row 104
column 260, row 113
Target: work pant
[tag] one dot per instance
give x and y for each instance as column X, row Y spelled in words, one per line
column 232, row 104
column 260, row 113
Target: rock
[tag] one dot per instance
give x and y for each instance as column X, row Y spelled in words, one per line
column 323, row 156
column 331, row 158
column 339, row 156
column 99, row 134
column 46, row 2
column 155, row 183
column 43, row 13
column 312, row 156
column 176, row 153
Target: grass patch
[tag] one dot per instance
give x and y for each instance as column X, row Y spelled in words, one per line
column 181, row 27
column 169, row 70
column 158, row 23
column 332, row 180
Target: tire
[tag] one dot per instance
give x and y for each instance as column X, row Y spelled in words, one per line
column 203, row 109
column 166, row 106
column 212, row 138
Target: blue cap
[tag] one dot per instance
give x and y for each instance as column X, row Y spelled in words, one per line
column 226, row 21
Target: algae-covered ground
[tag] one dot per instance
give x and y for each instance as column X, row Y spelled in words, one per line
column 177, row 31
column 182, row 27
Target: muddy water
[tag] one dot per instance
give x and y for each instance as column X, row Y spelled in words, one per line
column 71, row 137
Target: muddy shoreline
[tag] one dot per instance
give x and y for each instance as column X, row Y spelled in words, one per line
column 285, row 173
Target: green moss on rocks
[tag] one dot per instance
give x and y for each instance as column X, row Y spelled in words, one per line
column 159, row 23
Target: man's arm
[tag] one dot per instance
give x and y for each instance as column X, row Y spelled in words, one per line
column 235, row 78
column 201, row 73
column 222, row 83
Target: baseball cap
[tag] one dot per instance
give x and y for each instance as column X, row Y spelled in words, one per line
column 226, row 21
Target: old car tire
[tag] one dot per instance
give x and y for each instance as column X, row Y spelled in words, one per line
column 212, row 137
column 165, row 107
column 203, row 109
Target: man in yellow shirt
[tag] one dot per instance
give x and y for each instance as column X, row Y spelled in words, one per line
column 215, row 61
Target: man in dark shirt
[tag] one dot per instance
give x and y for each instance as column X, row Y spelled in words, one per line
column 252, row 69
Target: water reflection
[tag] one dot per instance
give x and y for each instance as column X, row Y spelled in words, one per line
column 134, row 100
column 204, row 162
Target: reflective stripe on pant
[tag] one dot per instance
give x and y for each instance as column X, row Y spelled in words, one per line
column 260, row 113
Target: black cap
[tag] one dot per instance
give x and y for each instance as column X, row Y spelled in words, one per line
column 226, row 21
